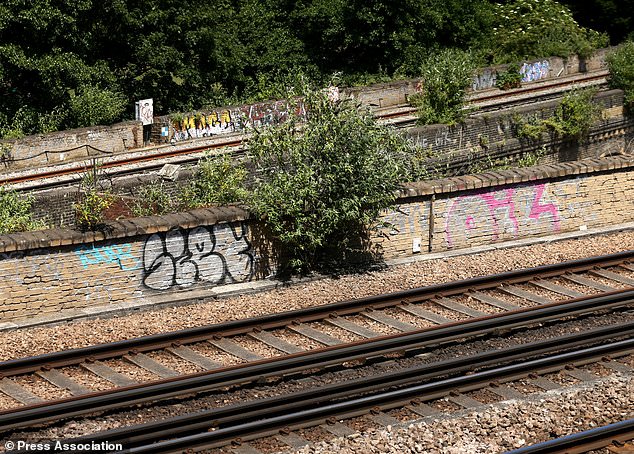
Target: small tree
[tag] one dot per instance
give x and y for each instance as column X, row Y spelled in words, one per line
column 446, row 76
column 322, row 178
column 621, row 66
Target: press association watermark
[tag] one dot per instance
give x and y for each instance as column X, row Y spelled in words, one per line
column 25, row 446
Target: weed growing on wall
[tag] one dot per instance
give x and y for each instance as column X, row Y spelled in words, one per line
column 321, row 181
column 92, row 200
column 621, row 67
column 15, row 212
column 446, row 75
column 511, row 78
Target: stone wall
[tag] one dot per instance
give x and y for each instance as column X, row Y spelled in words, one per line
column 64, row 146
column 154, row 258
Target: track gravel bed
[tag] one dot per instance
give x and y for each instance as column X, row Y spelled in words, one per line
column 38, row 340
column 498, row 427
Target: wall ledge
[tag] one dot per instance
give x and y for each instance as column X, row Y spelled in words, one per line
column 124, row 228
column 513, row 176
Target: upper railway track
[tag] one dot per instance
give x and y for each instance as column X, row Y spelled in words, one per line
column 189, row 153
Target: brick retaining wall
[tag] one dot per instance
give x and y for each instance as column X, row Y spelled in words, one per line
column 144, row 259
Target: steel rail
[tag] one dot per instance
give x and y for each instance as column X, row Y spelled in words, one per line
column 244, row 137
column 433, row 380
column 282, row 319
column 257, row 370
column 588, row 440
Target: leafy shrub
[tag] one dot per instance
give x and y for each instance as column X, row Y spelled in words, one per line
column 575, row 114
column 621, row 66
column 218, row 180
column 511, row 78
column 323, row 179
column 446, row 76
column 151, row 200
column 95, row 106
column 15, row 212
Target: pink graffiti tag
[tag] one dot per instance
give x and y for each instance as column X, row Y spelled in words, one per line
column 537, row 210
column 492, row 204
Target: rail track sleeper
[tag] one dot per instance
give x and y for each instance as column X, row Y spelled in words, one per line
column 422, row 409
column 233, row 348
column 582, row 375
column 627, row 267
column 315, row 335
column 63, row 381
column 613, row 276
column 150, row 365
column 559, row 289
column 506, row 392
column 17, row 392
column 457, row 307
column 337, row 429
column 108, row 373
column 275, row 342
column 194, row 357
column 493, row 301
column 381, row 317
column 426, row 314
column 293, row 440
column 245, row 449
column 516, row 291
column 353, row 327
column 384, row 419
column 582, row 280
column 617, row 366
column 464, row 401
column 544, row 383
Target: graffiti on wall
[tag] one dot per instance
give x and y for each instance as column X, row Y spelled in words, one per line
column 216, row 254
column 484, row 80
column 495, row 213
column 120, row 254
column 534, row 71
column 408, row 219
column 233, row 120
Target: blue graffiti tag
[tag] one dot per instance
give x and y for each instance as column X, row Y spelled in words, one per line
column 108, row 254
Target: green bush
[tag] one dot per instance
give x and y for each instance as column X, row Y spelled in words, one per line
column 575, row 114
column 621, row 67
column 321, row 181
column 446, row 76
column 95, row 106
column 218, row 180
column 151, row 200
column 92, row 200
column 511, row 78
column 15, row 212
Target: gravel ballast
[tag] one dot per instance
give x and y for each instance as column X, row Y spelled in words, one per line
column 498, row 427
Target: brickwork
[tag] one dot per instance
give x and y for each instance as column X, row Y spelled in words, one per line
column 149, row 258
column 64, row 146
column 499, row 206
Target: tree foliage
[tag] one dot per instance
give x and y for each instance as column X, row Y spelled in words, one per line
column 621, row 65
column 61, row 68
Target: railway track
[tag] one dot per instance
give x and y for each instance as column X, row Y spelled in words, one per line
column 403, row 116
column 300, row 340
column 412, row 387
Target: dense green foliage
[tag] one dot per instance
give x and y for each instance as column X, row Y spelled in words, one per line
column 446, row 76
column 15, row 212
column 218, row 180
column 323, row 180
column 92, row 199
column 621, row 64
column 60, row 67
